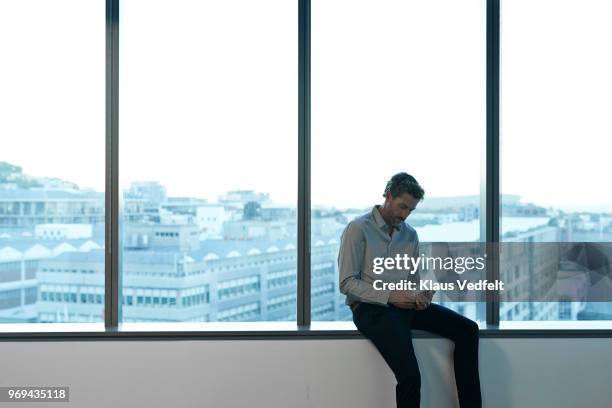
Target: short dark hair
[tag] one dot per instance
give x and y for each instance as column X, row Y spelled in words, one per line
column 404, row 183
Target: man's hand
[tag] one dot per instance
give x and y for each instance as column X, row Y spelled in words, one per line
column 423, row 299
column 409, row 299
column 404, row 299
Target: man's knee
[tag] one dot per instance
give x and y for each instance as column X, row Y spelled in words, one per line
column 469, row 332
column 472, row 329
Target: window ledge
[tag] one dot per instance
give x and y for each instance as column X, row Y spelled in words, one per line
column 277, row 330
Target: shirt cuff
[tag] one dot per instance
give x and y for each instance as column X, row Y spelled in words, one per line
column 383, row 296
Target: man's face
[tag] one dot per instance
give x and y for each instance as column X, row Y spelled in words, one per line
column 399, row 208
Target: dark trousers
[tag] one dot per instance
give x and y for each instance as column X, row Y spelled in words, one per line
column 389, row 328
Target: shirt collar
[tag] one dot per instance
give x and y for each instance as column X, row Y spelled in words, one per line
column 379, row 220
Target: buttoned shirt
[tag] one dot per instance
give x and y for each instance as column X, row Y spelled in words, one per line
column 364, row 239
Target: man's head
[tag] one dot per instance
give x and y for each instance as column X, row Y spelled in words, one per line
column 402, row 194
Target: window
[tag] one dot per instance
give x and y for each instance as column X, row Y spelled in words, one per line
column 210, row 119
column 52, row 163
column 391, row 92
column 555, row 88
column 208, row 148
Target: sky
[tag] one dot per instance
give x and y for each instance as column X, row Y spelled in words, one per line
column 208, row 96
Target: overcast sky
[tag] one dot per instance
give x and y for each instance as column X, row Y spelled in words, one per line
column 209, row 96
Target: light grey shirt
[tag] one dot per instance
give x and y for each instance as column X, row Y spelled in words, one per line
column 365, row 238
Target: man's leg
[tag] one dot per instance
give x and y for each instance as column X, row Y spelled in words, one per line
column 464, row 333
column 389, row 330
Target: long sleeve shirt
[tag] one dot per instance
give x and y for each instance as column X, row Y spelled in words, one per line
column 364, row 239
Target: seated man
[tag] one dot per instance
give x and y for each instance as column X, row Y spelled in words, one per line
column 386, row 317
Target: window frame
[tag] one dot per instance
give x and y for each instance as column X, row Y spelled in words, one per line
column 303, row 327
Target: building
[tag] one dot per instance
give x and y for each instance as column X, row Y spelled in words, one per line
column 27, row 208
column 221, row 281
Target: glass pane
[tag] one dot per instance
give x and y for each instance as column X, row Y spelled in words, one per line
column 52, row 161
column 397, row 86
column 555, row 105
column 208, row 160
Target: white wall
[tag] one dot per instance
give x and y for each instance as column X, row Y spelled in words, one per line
column 534, row 373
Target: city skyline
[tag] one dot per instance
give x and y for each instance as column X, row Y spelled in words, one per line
column 185, row 260
column 215, row 199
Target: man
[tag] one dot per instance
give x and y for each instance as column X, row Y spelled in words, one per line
column 386, row 317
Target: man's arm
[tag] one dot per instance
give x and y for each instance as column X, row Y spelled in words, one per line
column 350, row 265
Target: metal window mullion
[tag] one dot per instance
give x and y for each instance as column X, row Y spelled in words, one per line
column 492, row 160
column 111, row 219
column 303, row 267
